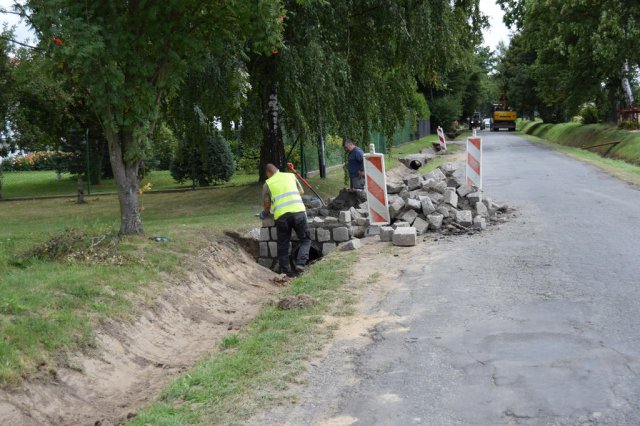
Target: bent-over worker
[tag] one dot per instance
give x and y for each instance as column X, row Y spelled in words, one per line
column 282, row 198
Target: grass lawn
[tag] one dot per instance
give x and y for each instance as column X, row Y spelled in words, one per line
column 47, row 307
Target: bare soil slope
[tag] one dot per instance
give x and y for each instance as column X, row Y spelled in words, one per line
column 224, row 288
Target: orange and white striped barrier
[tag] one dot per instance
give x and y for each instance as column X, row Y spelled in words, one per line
column 441, row 139
column 376, row 187
column 474, row 162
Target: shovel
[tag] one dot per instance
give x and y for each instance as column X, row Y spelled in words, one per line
column 290, row 166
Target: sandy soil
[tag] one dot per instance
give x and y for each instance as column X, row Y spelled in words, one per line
column 133, row 362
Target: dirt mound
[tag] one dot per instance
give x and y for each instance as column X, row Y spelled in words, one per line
column 132, row 362
column 296, row 302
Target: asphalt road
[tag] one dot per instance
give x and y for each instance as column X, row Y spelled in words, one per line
column 535, row 322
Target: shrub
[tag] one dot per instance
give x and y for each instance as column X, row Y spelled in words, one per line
column 589, row 114
column 444, row 111
column 164, row 146
column 204, row 158
column 629, row 125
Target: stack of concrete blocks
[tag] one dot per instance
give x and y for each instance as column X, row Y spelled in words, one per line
column 326, row 232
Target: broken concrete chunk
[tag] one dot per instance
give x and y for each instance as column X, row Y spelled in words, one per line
column 440, row 187
column 413, row 204
column 409, row 216
column 405, row 237
column 400, row 224
column 344, row 216
column 317, row 221
column 450, row 197
column 394, row 188
column 429, row 184
column 421, row 225
column 448, row 168
column 443, row 210
column 353, row 244
column 354, row 213
column 482, row 210
column 435, row 221
column 436, row 197
column 386, row 234
column 436, row 175
column 464, row 217
column 465, row 190
column 475, row 197
column 396, row 207
column 427, row 205
column 413, row 182
column 479, row 223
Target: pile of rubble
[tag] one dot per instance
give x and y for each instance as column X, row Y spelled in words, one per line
column 438, row 201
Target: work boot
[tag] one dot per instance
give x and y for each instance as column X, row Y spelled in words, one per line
column 291, row 274
column 300, row 268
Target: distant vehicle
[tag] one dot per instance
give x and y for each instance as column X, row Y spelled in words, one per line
column 486, row 124
column 475, row 122
column 503, row 117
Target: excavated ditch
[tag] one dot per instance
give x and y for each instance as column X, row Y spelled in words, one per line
column 132, row 362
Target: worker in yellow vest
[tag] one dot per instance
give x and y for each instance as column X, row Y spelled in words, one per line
column 282, row 198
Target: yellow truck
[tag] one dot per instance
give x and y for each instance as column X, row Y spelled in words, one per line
column 503, row 117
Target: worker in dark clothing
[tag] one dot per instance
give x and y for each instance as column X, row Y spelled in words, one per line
column 355, row 165
column 282, row 198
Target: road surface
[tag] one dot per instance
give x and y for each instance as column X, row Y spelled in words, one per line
column 535, row 322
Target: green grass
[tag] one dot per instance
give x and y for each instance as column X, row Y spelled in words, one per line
column 44, row 183
column 229, row 387
column 583, row 136
column 48, row 307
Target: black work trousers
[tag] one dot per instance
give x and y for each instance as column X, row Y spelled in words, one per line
column 284, row 225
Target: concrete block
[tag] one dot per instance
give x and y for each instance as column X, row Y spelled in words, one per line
column 412, row 204
column 358, row 231
column 436, row 197
column 421, row 225
column 464, row 217
column 264, row 249
column 273, row 249
column 312, row 234
column 354, row 213
column 372, row 231
column 444, row 211
column 329, row 220
column 427, row 205
column 274, row 233
column 404, row 194
column 341, row 234
column 436, row 175
column 323, row 235
column 465, row 190
column 413, row 182
column 396, row 207
column 435, row 221
column 328, row 248
column 265, row 234
column 475, row 197
column 479, row 223
column 450, row 197
column 267, row 262
column 353, row 244
column 394, row 188
column 440, row 187
column 361, row 221
column 405, row 237
column 344, row 216
column 409, row 216
column 268, row 222
column 481, row 209
column 386, row 234
column 317, row 221
column 448, row 169
column 400, row 224
column 324, row 212
column 428, row 184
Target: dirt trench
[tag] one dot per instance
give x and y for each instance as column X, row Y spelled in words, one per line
column 132, row 362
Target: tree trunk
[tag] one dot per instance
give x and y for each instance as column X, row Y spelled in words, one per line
column 126, row 176
column 626, row 85
column 272, row 150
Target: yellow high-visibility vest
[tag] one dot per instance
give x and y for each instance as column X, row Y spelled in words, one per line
column 285, row 197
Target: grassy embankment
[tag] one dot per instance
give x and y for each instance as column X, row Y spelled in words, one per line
column 621, row 160
column 48, row 307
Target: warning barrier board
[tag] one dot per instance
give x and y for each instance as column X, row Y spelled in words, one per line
column 376, row 187
column 474, row 162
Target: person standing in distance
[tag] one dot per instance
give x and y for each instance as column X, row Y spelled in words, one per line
column 355, row 165
column 281, row 194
